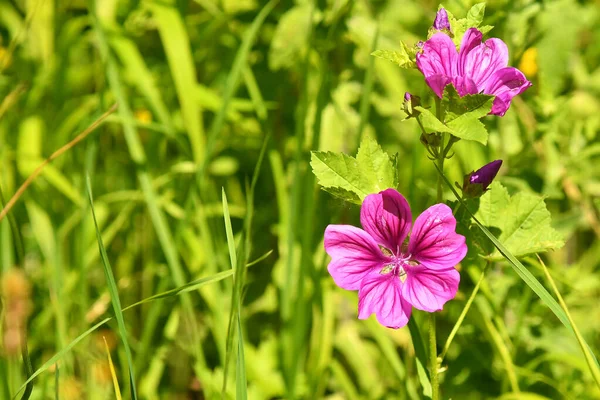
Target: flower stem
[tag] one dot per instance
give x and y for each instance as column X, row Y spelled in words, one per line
column 463, row 314
column 433, row 358
column 433, row 363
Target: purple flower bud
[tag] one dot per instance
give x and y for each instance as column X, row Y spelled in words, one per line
column 477, row 182
column 441, row 21
column 407, row 96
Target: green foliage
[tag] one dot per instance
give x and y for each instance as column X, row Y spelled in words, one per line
column 200, row 85
column 462, row 116
column 352, row 179
column 404, row 58
column 473, row 19
column 523, row 220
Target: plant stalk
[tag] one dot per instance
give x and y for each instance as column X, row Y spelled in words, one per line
column 433, row 358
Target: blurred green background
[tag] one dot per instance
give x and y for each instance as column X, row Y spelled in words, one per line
column 201, row 85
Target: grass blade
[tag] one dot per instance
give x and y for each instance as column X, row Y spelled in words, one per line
column 519, row 268
column 114, row 295
column 589, row 357
column 169, row 293
column 233, row 79
column 112, row 371
column 176, row 43
column 421, row 357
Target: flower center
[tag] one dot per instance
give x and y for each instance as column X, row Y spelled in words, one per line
column 399, row 266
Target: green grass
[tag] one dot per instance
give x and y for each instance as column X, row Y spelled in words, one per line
column 201, row 258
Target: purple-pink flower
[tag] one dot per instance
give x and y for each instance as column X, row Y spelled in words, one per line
column 392, row 276
column 479, row 67
column 477, row 182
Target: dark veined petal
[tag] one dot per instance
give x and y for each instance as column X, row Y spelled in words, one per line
column 505, row 84
column 428, row 290
column 479, row 62
column 387, row 218
column 464, row 85
column 438, row 57
column 353, row 253
column 437, row 83
column 434, row 241
column 382, row 295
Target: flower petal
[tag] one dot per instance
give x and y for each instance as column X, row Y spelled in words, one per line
column 470, row 40
column 429, row 290
column 505, row 84
column 387, row 218
column 464, row 85
column 353, row 255
column 479, row 63
column 437, row 83
column 382, row 295
column 439, row 57
column 434, row 241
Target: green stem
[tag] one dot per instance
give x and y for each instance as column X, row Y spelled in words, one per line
column 435, row 385
column 463, row 314
column 433, row 359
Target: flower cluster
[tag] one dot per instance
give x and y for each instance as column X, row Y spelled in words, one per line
column 392, row 276
column 478, row 67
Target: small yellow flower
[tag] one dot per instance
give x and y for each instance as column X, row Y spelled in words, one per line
column 528, row 64
column 143, row 115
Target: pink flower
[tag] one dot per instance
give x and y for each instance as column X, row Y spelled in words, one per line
column 392, row 277
column 479, row 67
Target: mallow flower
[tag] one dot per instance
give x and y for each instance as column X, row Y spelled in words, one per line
column 479, row 67
column 393, row 274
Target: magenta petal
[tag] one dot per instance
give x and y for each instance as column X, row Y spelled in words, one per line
column 429, row 290
column 437, row 83
column 434, row 241
column 464, row 86
column 480, row 62
column 438, row 57
column 382, row 295
column 353, row 254
column 470, row 40
column 505, row 84
column 386, row 217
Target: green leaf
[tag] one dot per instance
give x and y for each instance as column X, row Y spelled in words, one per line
column 463, row 114
column 519, row 268
column 475, row 15
column 523, row 220
column 455, row 106
column 469, row 128
column 352, row 179
column 114, row 295
column 375, row 164
column 430, row 122
column 405, row 58
column 473, row 19
column 420, row 358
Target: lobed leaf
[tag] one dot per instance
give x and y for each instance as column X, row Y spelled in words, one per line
column 405, row 58
column 523, row 220
column 352, row 179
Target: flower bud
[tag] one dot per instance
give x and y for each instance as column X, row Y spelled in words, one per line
column 441, row 21
column 410, row 102
column 477, row 182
